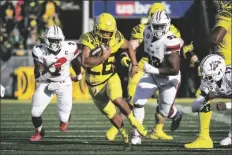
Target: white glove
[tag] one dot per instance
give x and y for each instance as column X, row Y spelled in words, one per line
column 2, row 91
column 150, row 69
column 77, row 77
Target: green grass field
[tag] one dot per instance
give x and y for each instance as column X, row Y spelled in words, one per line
column 85, row 134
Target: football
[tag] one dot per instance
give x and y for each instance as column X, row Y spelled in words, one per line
column 97, row 51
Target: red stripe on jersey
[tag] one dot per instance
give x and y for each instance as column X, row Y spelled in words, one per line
column 76, row 52
column 173, row 48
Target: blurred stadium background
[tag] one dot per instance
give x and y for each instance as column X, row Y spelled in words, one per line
column 22, row 23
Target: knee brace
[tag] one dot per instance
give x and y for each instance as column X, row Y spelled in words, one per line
column 37, row 121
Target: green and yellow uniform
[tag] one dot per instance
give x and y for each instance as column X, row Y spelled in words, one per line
column 103, row 83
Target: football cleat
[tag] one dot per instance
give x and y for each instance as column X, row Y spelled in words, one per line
column 124, row 135
column 200, row 143
column 176, row 121
column 226, row 141
column 140, row 128
column 37, row 136
column 136, row 140
column 64, row 126
column 112, row 133
column 160, row 135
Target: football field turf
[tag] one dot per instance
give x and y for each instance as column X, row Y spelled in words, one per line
column 85, row 134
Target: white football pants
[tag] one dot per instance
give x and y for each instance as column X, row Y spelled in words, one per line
column 147, row 86
column 44, row 93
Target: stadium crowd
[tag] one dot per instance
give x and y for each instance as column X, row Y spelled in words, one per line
column 23, row 23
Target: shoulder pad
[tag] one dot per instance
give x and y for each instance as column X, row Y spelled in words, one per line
column 171, row 40
column 225, row 14
column 175, row 31
column 137, row 31
column 37, row 52
column 119, row 36
column 72, row 47
column 87, row 39
column 172, row 43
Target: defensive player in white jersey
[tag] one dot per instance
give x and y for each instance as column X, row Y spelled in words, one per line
column 162, row 72
column 215, row 82
column 52, row 60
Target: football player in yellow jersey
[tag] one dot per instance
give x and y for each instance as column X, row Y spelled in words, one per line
column 103, row 83
column 135, row 41
column 220, row 43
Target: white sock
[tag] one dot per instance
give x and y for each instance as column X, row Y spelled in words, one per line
column 228, row 105
column 139, row 115
column 230, row 132
column 40, row 128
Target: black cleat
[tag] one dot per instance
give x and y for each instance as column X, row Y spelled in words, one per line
column 176, row 121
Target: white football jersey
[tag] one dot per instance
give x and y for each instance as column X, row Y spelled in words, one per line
column 225, row 89
column 157, row 49
column 68, row 50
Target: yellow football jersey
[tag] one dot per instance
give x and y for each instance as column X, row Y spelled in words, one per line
column 137, row 33
column 224, row 48
column 100, row 73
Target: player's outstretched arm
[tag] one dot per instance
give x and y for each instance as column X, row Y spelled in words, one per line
column 132, row 55
column 76, row 65
column 190, row 56
column 216, row 37
column 90, row 61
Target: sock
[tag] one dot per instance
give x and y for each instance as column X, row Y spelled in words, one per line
column 121, row 129
column 114, row 129
column 124, row 134
column 229, row 134
column 159, row 128
column 131, row 117
column 205, row 123
column 139, row 115
column 39, row 128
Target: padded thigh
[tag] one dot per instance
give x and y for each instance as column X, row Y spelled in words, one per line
column 114, row 88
